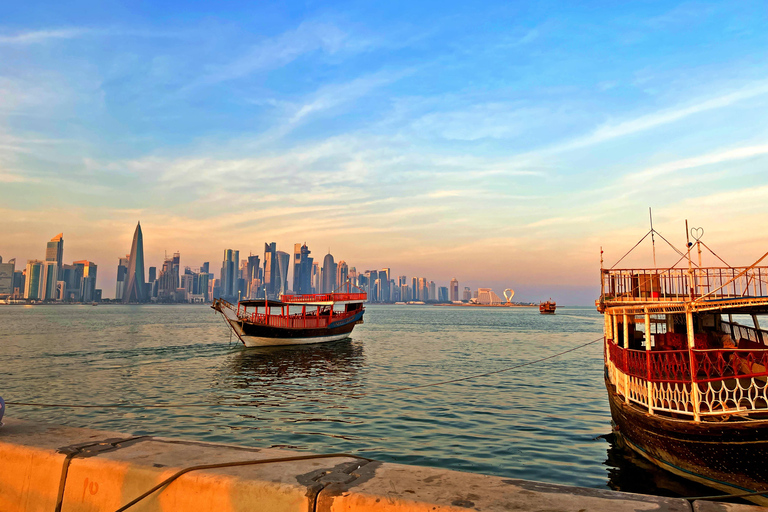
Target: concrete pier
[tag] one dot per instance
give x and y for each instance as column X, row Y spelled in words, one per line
column 52, row 468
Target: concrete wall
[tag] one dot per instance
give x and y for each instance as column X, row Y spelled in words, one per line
column 49, row 468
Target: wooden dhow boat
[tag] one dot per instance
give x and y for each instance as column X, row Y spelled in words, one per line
column 686, row 368
column 547, row 308
column 294, row 319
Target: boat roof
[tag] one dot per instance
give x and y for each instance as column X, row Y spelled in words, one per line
column 319, row 299
column 261, row 302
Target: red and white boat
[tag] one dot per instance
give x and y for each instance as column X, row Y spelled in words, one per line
column 294, row 319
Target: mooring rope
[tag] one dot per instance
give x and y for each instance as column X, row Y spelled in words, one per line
column 359, row 395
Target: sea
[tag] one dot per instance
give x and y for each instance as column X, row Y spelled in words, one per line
column 528, row 406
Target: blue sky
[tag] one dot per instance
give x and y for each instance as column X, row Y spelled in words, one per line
column 501, row 144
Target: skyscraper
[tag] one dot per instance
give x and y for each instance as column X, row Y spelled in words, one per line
column 135, row 284
column 85, row 272
column 384, row 293
column 6, row 276
column 32, row 286
column 49, row 279
column 283, row 260
column 329, row 274
column 342, row 275
column 270, row 268
column 454, row 290
column 122, row 274
column 302, row 269
column 54, row 251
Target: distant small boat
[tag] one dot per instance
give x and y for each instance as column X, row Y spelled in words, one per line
column 314, row 322
column 547, row 308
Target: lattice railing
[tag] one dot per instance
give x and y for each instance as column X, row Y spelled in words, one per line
column 726, row 381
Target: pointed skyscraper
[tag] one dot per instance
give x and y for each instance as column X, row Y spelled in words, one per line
column 134, row 283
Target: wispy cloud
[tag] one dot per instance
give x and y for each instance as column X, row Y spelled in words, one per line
column 278, row 51
column 646, row 122
column 41, row 36
column 698, row 161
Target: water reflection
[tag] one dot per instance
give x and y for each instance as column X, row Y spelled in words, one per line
column 325, row 365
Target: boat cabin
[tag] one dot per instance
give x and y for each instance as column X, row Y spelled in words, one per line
column 688, row 343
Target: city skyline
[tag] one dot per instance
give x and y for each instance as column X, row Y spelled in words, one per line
column 131, row 285
column 509, row 143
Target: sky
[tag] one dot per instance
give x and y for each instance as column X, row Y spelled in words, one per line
column 501, row 143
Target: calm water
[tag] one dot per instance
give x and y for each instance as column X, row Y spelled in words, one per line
column 547, row 421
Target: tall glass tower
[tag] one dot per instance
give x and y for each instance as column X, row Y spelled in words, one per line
column 135, row 289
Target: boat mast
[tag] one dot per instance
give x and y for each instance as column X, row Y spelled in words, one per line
column 653, row 240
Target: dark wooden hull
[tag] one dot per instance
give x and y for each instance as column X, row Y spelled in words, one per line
column 259, row 335
column 728, row 455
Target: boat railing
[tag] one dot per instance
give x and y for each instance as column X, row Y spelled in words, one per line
column 297, row 321
column 324, row 297
column 656, row 284
column 712, row 382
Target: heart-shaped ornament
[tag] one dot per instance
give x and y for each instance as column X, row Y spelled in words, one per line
column 697, row 233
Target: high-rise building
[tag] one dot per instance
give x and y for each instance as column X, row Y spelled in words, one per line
column 329, row 274
column 432, row 291
column 315, row 277
column 423, row 289
column 302, row 269
column 54, row 251
column 384, row 290
column 270, row 268
column 168, row 280
column 252, row 280
column 49, row 280
column 33, row 285
column 85, row 278
column 135, row 284
column 228, row 271
column 342, row 275
column 467, row 294
column 122, row 274
column 454, row 290
column 283, row 260
column 442, row 294
column 6, row 276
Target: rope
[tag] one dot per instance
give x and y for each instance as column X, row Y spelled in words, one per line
column 396, row 390
column 632, row 249
column 716, row 256
column 233, row 464
column 723, row 496
column 408, row 388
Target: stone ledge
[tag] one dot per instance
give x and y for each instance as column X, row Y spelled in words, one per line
column 106, row 470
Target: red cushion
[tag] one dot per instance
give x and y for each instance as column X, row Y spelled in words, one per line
column 747, row 344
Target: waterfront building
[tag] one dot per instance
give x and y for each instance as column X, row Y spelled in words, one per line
column 283, row 260
column 467, row 294
column 373, row 285
column 270, row 268
column 384, row 293
column 6, row 277
column 432, row 291
column 152, row 274
column 423, row 289
column 49, row 279
column 122, row 274
column 342, row 274
column 228, row 271
column 329, row 274
column 487, row 296
column 19, row 281
column 135, row 284
column 33, row 285
column 414, row 288
column 316, row 277
column 442, row 294
column 54, row 251
column 85, row 273
column 168, row 280
column 405, row 292
column 454, row 290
